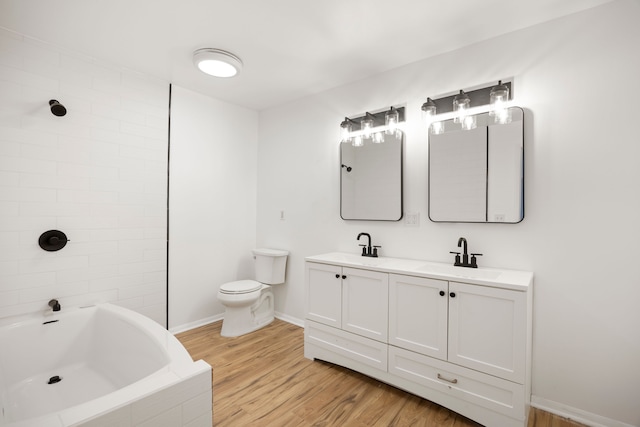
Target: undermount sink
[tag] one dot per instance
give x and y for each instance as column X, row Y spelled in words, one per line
column 470, row 273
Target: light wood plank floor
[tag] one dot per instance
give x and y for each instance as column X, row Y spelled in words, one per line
column 263, row 379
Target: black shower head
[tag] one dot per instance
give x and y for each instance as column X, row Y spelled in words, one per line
column 57, row 109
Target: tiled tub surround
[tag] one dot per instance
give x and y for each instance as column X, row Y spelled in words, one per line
column 460, row 337
column 99, row 174
column 116, row 367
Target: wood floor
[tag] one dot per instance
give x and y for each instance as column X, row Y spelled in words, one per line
column 263, row 379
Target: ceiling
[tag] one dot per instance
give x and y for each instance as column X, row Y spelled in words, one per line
column 290, row 48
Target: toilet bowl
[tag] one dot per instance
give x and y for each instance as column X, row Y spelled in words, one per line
column 249, row 304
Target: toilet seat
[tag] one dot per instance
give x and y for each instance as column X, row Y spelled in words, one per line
column 240, row 287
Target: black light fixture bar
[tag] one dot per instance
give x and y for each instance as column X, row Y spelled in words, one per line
column 479, row 97
column 378, row 118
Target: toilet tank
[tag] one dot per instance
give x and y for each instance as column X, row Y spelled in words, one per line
column 270, row 265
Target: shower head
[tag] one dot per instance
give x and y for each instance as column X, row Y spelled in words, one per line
column 57, row 109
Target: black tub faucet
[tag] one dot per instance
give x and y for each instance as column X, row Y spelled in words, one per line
column 462, row 242
column 368, row 250
column 55, row 305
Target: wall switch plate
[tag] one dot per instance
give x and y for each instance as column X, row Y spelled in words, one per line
column 412, row 218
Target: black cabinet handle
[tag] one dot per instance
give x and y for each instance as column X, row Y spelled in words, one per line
column 344, row 277
column 442, row 293
column 337, row 276
column 452, row 294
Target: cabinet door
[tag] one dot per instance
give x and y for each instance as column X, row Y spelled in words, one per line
column 418, row 314
column 324, row 293
column 487, row 330
column 364, row 303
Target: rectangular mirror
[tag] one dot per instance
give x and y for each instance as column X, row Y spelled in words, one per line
column 477, row 175
column 371, row 180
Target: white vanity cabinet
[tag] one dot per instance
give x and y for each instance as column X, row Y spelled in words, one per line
column 457, row 337
column 479, row 327
column 354, row 300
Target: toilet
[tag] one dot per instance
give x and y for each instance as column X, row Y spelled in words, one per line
column 249, row 304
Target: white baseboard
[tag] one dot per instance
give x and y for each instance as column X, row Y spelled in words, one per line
column 290, row 319
column 196, row 324
column 575, row 414
column 192, row 325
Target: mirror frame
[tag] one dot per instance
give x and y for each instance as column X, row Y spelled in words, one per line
column 400, row 177
column 485, row 121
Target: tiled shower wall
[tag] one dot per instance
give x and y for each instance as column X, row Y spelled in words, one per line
column 99, row 174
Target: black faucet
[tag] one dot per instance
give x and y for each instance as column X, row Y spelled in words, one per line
column 367, row 250
column 465, row 256
column 54, row 304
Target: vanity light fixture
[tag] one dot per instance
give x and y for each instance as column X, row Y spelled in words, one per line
column 366, row 125
column 369, row 127
column 346, row 127
column 463, row 107
column 217, row 62
column 498, row 99
column 429, row 111
column 391, row 120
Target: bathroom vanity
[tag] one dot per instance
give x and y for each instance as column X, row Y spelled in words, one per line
column 460, row 337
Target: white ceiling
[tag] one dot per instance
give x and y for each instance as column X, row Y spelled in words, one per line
column 290, row 48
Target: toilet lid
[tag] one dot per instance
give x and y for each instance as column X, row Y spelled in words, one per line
column 240, row 287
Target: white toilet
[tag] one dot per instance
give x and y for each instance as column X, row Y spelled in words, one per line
column 249, row 304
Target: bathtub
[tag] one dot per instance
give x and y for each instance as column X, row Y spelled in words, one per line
column 101, row 365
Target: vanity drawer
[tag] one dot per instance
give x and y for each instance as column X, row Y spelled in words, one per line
column 496, row 394
column 345, row 345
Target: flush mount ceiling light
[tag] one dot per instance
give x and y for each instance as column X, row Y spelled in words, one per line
column 217, row 62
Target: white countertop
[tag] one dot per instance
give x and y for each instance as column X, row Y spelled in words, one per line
column 507, row 279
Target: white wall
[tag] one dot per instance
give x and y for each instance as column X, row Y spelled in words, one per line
column 212, row 206
column 98, row 174
column 580, row 232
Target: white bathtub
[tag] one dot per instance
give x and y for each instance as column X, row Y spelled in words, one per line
column 115, row 367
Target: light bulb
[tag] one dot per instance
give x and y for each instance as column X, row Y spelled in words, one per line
column 357, row 141
column 366, row 126
column 428, row 110
column 391, row 119
column 498, row 99
column 345, row 130
column 461, row 104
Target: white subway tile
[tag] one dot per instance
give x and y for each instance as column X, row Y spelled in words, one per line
column 19, row 164
column 57, row 181
column 145, row 131
column 142, row 267
column 76, row 170
column 134, row 304
column 9, row 148
column 24, row 281
column 59, row 291
column 49, row 262
column 62, row 208
column 9, row 209
column 9, row 298
column 9, row 268
column 80, row 196
column 27, row 194
column 81, row 223
column 12, row 179
column 37, row 81
column 157, row 313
